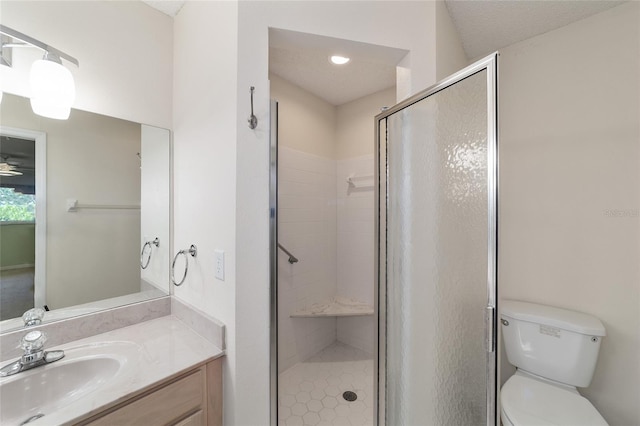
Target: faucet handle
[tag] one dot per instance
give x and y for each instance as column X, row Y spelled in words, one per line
column 33, row 317
column 33, row 341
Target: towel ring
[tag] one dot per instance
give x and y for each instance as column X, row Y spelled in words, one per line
column 156, row 243
column 193, row 251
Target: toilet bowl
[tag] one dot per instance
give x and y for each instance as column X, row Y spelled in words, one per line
column 528, row 401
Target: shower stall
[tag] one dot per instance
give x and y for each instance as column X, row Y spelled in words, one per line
column 431, row 318
column 325, row 263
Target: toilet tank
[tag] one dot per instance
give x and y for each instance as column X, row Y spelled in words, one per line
column 554, row 343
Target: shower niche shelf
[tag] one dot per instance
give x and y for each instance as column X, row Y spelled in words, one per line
column 337, row 307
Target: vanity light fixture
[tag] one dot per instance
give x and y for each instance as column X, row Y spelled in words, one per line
column 52, row 87
column 339, row 60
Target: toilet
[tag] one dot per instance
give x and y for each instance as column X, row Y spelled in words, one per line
column 554, row 351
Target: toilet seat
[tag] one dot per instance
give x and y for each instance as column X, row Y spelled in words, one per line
column 527, row 401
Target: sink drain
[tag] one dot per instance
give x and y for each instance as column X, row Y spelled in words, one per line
column 350, row 396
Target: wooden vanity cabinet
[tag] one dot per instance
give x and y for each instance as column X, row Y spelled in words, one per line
column 191, row 399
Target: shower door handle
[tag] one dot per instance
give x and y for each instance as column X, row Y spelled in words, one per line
column 490, row 328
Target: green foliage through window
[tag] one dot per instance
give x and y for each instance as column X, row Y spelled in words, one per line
column 17, row 207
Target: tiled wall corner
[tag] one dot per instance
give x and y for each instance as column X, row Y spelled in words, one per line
column 355, row 248
column 307, row 228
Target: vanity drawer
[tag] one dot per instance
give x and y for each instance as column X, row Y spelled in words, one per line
column 167, row 405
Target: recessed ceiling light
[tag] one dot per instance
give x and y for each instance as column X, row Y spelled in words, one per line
column 339, row 60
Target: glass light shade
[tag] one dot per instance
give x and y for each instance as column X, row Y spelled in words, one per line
column 52, row 89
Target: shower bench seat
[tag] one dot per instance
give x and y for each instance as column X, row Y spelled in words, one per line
column 337, row 307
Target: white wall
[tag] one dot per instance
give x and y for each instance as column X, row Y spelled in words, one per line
column 155, row 205
column 124, row 49
column 306, row 219
column 407, row 25
column 244, row 63
column 205, row 133
column 323, row 221
column 307, row 227
column 569, row 155
column 355, row 248
column 355, row 138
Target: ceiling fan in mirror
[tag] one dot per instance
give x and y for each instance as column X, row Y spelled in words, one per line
column 9, row 167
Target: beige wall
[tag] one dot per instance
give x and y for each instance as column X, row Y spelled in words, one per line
column 125, row 50
column 91, row 254
column 310, row 124
column 569, row 155
column 205, row 122
column 450, row 56
column 319, row 128
column 355, row 123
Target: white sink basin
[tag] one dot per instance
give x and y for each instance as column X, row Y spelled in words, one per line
column 45, row 389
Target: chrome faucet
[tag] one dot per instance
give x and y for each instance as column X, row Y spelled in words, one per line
column 34, row 356
column 33, row 317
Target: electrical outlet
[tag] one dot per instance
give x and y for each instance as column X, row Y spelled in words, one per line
column 219, row 273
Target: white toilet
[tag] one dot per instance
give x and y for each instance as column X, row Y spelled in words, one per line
column 554, row 350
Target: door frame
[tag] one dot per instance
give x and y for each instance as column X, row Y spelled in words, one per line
column 40, row 275
column 490, row 64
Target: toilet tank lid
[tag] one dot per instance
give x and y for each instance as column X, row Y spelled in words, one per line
column 565, row 319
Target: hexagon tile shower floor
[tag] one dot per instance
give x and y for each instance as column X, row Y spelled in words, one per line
column 311, row 392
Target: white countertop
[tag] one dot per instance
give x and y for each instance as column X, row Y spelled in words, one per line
column 165, row 347
column 85, row 308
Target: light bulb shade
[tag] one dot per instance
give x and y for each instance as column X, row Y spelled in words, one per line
column 52, row 89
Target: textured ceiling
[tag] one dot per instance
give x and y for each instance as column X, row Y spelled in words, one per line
column 488, row 25
column 303, row 59
column 168, row 7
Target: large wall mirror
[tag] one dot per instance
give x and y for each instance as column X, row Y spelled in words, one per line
column 84, row 212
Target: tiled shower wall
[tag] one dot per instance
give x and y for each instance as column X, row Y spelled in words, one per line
column 325, row 223
column 355, row 250
column 329, row 226
column 307, row 228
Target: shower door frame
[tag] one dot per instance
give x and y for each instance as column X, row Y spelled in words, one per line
column 490, row 64
column 273, row 260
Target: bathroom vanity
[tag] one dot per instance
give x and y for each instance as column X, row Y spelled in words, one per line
column 158, row 372
column 191, row 399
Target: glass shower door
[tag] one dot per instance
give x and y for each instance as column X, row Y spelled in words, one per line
column 437, row 253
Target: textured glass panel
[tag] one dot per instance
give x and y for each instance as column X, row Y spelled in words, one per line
column 436, row 258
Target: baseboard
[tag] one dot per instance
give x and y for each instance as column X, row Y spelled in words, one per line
column 11, row 267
